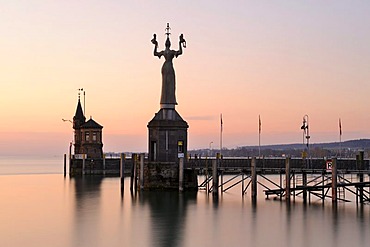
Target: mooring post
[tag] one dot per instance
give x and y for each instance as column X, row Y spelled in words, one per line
column 104, row 164
column 254, row 179
column 181, row 174
column 135, row 171
column 142, row 157
column 323, row 183
column 65, row 164
column 361, row 175
column 215, row 174
column 83, row 164
column 133, row 163
column 304, row 181
column 222, row 181
column 121, row 169
column 294, row 183
column 281, row 183
column 334, row 181
column 242, row 183
column 287, row 179
column 206, row 174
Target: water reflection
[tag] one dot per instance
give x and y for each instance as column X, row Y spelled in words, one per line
column 168, row 213
column 87, row 209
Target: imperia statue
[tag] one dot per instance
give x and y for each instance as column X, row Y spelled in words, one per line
column 168, row 97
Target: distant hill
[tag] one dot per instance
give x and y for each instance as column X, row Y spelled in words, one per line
column 345, row 149
column 351, row 144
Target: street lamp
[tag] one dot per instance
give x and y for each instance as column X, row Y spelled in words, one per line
column 210, row 149
column 306, row 135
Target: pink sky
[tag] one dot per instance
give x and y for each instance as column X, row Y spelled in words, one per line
column 277, row 59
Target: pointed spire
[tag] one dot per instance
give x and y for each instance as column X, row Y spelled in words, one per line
column 79, row 117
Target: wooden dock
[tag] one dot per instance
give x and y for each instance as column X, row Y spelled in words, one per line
column 331, row 182
column 297, row 177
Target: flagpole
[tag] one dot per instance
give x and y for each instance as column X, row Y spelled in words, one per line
column 340, row 138
column 259, row 136
column 221, row 136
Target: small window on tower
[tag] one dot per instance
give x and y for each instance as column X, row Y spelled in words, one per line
column 87, row 136
column 94, row 136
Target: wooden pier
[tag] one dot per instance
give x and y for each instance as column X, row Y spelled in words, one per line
column 293, row 182
column 325, row 179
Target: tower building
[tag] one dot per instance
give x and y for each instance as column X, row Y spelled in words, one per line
column 88, row 135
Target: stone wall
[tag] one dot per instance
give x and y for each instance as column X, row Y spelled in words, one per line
column 165, row 175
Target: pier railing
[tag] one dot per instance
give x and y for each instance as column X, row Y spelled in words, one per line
column 111, row 165
column 278, row 163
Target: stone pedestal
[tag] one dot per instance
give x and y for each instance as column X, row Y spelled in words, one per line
column 168, row 136
column 165, row 176
column 168, row 141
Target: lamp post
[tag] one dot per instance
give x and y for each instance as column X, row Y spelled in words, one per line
column 306, row 136
column 210, row 149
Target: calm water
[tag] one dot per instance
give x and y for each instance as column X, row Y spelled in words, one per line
column 39, row 207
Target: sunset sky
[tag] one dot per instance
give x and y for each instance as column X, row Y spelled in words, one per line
column 277, row 59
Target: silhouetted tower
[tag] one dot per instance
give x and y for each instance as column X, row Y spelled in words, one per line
column 88, row 135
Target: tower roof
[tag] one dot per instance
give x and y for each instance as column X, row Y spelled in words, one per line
column 91, row 124
column 79, row 113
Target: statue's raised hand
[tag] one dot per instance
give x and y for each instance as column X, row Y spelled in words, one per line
column 154, row 40
column 182, row 40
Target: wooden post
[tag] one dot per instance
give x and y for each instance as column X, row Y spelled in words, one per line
column 135, row 171
column 294, row 184
column 104, row 164
column 181, row 174
column 287, row 179
column 254, row 179
column 133, row 163
column 142, row 157
column 281, row 183
column 83, row 164
column 334, row 181
column 304, row 181
column 361, row 175
column 122, row 169
column 222, row 181
column 215, row 175
column 322, row 183
column 207, row 177
column 70, row 157
column 65, row 164
column 242, row 183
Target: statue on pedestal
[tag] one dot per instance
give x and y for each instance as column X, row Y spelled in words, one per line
column 168, row 97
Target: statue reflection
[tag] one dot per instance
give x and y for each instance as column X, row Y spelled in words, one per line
column 168, row 214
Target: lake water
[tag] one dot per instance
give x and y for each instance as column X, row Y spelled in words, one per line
column 40, row 207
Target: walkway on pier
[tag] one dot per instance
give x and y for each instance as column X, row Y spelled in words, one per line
column 292, row 181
